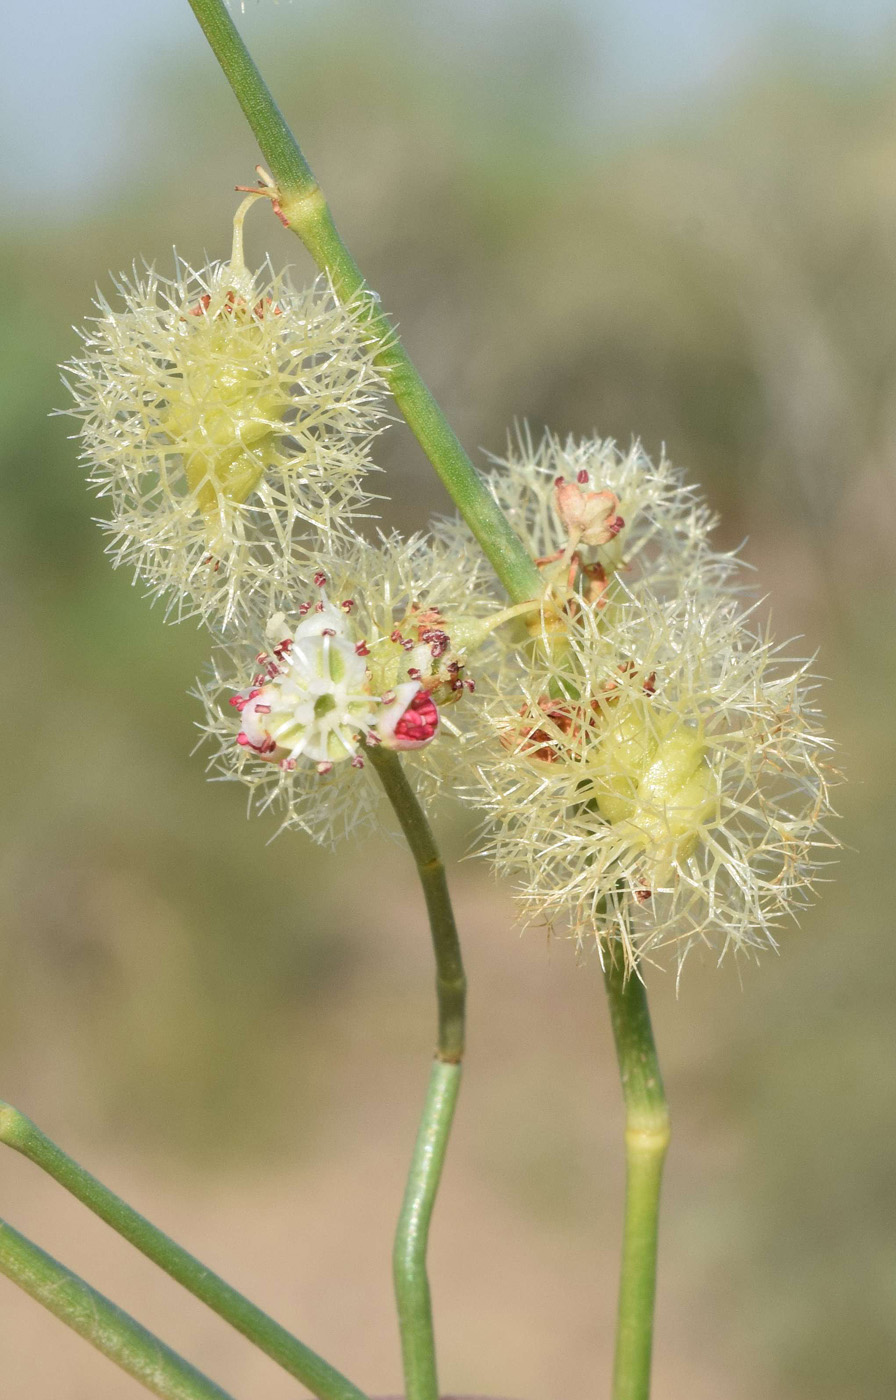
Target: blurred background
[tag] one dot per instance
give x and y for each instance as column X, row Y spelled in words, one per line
column 655, row 218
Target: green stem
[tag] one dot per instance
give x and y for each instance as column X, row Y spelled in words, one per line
column 100, row 1322
column 646, row 1141
column 306, row 211
column 321, row 1379
column 451, row 983
column 412, row 1234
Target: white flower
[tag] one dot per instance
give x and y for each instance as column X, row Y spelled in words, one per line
column 376, row 654
column 315, row 702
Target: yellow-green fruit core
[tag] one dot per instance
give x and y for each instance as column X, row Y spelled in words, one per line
column 223, row 416
column 653, row 783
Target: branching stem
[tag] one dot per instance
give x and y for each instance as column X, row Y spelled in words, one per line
column 646, row 1141
column 305, row 210
column 321, row 1379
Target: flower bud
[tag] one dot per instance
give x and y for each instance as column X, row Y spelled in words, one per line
column 588, row 516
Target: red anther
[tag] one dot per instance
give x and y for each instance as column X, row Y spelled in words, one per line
column 453, row 667
column 582, row 478
column 387, row 697
column 287, row 764
column 259, row 680
column 362, row 649
column 649, row 685
column 252, row 694
column 328, row 632
column 304, row 608
column 282, row 648
column 396, row 636
column 320, row 579
column 239, row 702
column 347, row 604
column 202, row 305
column 418, row 724
column 558, row 480
column 616, row 524
column 471, row 686
column 319, row 607
column 457, row 684
column 439, row 641
column 371, row 739
column 325, row 767
column 357, row 761
column 262, row 656
column 262, row 709
column 643, row 895
column 413, row 672
column 244, row 741
column 272, row 670
column 408, row 645
column 268, row 745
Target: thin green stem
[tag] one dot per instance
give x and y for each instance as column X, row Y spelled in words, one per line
column 100, row 1322
column 451, row 982
column 646, row 1141
column 305, row 210
column 321, row 1379
column 412, row 1234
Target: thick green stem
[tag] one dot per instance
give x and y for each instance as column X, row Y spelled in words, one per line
column 646, row 1141
column 321, row 1379
column 100, row 1322
column 305, row 209
column 412, row 1234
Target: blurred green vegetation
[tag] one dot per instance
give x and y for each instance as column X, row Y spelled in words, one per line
column 725, row 285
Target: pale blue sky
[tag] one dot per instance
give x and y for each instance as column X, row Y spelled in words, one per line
column 67, row 61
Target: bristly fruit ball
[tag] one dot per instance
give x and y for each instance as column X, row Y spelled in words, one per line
column 662, row 782
column 228, row 419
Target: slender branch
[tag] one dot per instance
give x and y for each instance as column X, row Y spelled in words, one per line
column 451, row 983
column 100, row 1322
column 321, row 1379
column 646, row 1141
column 306, row 212
column 412, row 1234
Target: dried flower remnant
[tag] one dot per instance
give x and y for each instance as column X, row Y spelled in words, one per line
column 593, row 517
column 228, row 419
column 665, row 783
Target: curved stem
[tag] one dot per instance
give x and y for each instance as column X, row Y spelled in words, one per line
column 323, row 1380
column 451, row 982
column 412, row 1234
column 113, row 1332
column 646, row 1141
column 305, row 210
